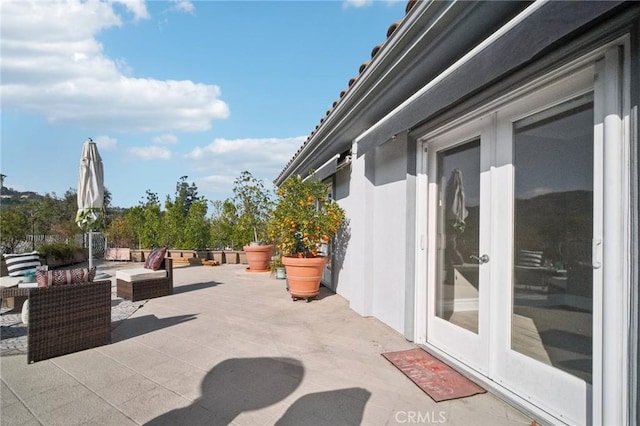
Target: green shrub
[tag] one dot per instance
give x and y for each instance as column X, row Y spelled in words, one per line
column 58, row 250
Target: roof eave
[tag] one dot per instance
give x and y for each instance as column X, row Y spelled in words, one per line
column 350, row 104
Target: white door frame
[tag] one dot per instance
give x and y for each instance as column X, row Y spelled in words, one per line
column 611, row 367
column 471, row 348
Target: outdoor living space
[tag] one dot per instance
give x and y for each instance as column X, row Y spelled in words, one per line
column 231, row 347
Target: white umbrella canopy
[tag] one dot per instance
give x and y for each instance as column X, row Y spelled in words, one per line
column 90, row 190
column 456, row 205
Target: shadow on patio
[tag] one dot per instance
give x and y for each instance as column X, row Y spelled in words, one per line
column 240, row 385
column 134, row 327
column 195, row 286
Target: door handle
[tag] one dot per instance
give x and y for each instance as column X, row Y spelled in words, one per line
column 482, row 259
column 596, row 253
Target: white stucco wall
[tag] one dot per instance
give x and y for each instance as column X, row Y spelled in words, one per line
column 373, row 193
column 343, row 274
column 354, row 193
column 389, row 229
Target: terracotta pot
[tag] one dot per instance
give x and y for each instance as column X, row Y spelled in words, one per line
column 304, row 275
column 258, row 258
column 218, row 256
column 231, row 257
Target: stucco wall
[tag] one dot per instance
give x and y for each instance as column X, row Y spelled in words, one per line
column 354, row 192
column 389, row 228
column 343, row 274
column 371, row 268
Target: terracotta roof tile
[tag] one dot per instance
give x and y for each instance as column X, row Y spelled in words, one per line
column 409, row 6
column 392, row 28
column 376, row 49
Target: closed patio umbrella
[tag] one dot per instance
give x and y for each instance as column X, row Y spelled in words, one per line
column 456, row 205
column 90, row 191
column 456, row 214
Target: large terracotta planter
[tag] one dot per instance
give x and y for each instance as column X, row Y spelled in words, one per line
column 217, row 255
column 231, row 257
column 119, row 253
column 304, row 275
column 258, row 258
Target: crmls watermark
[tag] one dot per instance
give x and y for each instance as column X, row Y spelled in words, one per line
column 421, row 417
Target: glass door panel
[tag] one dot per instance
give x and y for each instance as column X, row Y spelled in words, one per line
column 553, row 231
column 458, row 285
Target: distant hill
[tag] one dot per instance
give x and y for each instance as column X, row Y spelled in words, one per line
column 11, row 197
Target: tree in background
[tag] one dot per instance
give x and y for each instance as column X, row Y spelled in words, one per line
column 65, row 215
column 149, row 225
column 223, row 220
column 48, row 215
column 121, row 232
column 40, row 213
column 14, row 228
column 254, row 204
column 176, row 212
column 134, row 218
column 196, row 231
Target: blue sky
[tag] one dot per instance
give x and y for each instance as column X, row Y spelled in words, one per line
column 205, row 89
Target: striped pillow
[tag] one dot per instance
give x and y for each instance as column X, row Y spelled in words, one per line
column 19, row 264
column 530, row 258
column 65, row 276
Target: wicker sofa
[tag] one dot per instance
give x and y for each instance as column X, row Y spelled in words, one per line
column 135, row 285
column 11, row 297
column 67, row 319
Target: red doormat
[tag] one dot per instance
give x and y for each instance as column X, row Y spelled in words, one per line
column 436, row 378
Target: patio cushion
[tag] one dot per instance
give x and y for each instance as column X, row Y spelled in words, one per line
column 9, row 281
column 24, row 315
column 65, row 276
column 18, row 264
column 154, row 260
column 530, row 258
column 140, row 274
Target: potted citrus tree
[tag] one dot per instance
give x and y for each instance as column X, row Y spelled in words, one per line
column 254, row 204
column 302, row 221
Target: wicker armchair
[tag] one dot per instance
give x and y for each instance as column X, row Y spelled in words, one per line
column 67, row 319
column 149, row 288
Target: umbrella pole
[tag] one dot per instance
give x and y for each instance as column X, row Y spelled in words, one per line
column 90, row 249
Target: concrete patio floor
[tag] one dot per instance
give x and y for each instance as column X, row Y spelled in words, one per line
column 231, row 347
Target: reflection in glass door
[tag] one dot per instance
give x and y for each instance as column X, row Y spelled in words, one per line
column 553, row 235
column 551, row 215
column 458, row 284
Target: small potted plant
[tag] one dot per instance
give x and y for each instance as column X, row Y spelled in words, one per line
column 253, row 205
column 302, row 221
column 277, row 268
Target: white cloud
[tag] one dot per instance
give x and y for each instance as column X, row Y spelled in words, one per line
column 365, row 3
column 356, row 3
column 137, row 7
column 279, row 150
column 168, row 138
column 147, row 153
column 184, row 6
column 220, row 162
column 53, row 65
column 105, row 142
